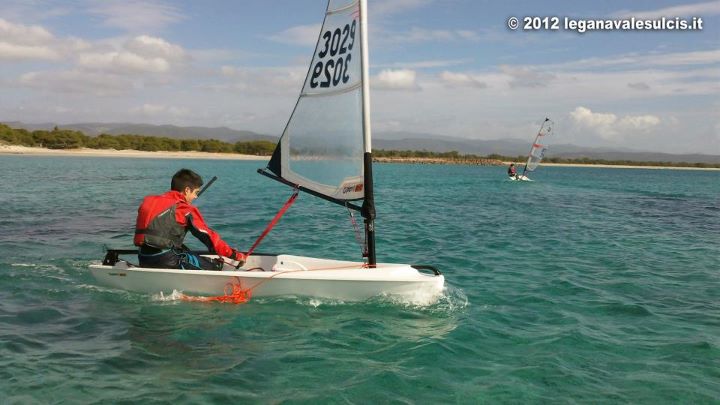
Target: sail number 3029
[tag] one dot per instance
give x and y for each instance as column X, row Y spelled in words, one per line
column 333, row 71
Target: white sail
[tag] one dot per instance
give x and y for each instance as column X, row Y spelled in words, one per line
column 539, row 146
column 322, row 146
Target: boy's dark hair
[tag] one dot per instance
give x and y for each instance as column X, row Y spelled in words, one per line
column 185, row 178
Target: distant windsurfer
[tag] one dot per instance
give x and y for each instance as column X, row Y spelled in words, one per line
column 512, row 171
column 163, row 220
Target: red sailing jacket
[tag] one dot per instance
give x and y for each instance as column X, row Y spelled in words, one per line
column 163, row 220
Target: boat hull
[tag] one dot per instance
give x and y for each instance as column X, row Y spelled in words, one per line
column 520, row 178
column 282, row 275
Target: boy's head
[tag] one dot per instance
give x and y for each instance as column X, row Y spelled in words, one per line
column 186, row 182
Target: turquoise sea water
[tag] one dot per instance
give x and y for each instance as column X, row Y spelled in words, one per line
column 588, row 285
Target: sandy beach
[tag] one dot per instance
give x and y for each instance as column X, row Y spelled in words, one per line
column 25, row 150
column 625, row 166
column 31, row 151
column 440, row 161
column 493, row 162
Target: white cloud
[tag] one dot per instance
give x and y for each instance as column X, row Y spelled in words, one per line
column 159, row 110
column 687, row 10
column 526, row 77
column 153, row 47
column 424, row 35
column 645, row 76
column 423, row 64
column 261, row 81
column 25, row 42
column 215, row 56
column 494, row 112
column 303, row 35
column 609, row 126
column 32, row 11
column 638, row 122
column 419, row 35
column 25, row 52
column 142, row 54
column 136, row 16
column 401, row 79
column 386, row 8
column 587, row 118
column 684, row 58
column 122, row 62
column 461, row 80
column 24, row 34
column 33, row 42
column 646, row 60
column 75, row 81
column 469, row 35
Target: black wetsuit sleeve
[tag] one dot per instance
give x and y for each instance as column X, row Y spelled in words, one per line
column 201, row 236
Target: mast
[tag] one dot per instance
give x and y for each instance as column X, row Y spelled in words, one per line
column 368, row 207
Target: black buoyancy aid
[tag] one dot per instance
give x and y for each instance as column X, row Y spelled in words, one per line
column 156, row 225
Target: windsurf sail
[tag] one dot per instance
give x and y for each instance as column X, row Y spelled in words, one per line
column 322, row 146
column 539, row 146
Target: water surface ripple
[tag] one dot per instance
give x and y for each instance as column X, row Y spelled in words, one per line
column 587, row 286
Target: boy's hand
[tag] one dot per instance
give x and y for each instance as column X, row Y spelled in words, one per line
column 238, row 256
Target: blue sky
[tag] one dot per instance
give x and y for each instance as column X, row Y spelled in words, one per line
column 444, row 67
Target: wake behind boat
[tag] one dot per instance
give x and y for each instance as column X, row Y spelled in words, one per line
column 325, row 151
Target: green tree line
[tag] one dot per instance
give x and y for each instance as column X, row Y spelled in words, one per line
column 69, row 139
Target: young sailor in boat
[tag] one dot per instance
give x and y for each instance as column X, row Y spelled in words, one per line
column 512, row 172
column 163, row 220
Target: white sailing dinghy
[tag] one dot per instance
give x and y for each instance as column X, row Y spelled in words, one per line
column 325, row 151
column 537, row 150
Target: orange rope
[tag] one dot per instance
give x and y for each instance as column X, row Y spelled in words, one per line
column 234, row 294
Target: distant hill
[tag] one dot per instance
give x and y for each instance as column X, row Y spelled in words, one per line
column 642, row 156
column 170, row 131
column 510, row 147
column 389, row 140
column 517, row 147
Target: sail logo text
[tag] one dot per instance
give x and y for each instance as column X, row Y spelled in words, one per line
column 352, row 188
